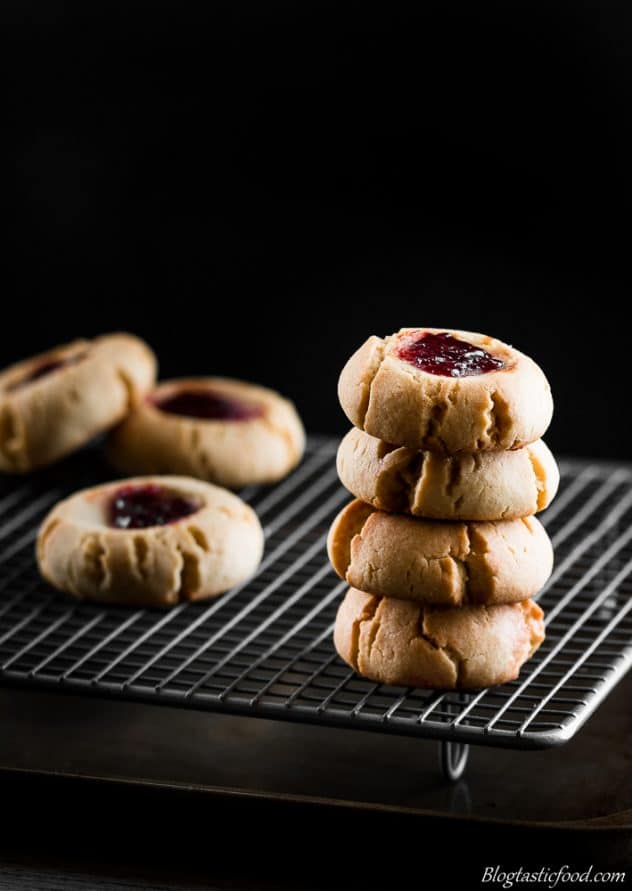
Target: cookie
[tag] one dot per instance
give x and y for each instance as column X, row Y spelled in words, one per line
column 441, row 564
column 399, row 642
column 226, row 431
column 149, row 541
column 56, row 402
column 445, row 391
column 466, row 486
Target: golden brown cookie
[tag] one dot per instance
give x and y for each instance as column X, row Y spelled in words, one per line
column 226, row 431
column 56, row 402
column 399, row 642
column 149, row 541
column 466, row 486
column 440, row 564
column 446, row 391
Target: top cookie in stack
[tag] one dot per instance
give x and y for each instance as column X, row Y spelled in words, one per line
column 446, row 391
column 447, row 427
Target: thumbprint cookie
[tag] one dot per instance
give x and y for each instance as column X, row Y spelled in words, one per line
column 149, row 541
column 225, row 431
column 446, row 391
column 54, row 403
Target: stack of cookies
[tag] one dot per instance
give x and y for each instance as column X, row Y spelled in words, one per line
column 441, row 548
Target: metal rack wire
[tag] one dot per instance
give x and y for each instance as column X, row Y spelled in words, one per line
column 265, row 648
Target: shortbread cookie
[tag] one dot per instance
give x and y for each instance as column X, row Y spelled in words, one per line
column 226, row 431
column 56, row 402
column 393, row 641
column 466, row 486
column 149, row 541
column 440, row 564
column 446, row 391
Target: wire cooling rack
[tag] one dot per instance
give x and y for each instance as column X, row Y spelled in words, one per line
column 265, row 648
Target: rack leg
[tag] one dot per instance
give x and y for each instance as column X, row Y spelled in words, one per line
column 453, row 758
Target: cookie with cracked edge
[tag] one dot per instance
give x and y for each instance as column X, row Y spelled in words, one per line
column 56, row 402
column 467, row 486
column 149, row 541
column 225, row 431
column 394, row 641
column 441, row 564
column 481, row 395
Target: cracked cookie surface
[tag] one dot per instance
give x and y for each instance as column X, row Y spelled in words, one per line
column 441, row 564
column 400, row 403
column 56, row 402
column 201, row 553
column 467, row 486
column 394, row 641
column 225, row 431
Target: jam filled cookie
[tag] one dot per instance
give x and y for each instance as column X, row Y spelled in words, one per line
column 149, row 541
column 441, row 564
column 227, row 431
column 446, row 391
column 56, row 402
column 465, row 486
column 398, row 642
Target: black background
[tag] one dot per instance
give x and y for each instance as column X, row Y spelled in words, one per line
column 256, row 187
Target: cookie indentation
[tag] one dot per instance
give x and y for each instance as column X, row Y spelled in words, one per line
column 138, row 507
column 207, row 404
column 447, row 356
column 44, row 368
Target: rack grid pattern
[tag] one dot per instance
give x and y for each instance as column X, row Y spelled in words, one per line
column 265, row 648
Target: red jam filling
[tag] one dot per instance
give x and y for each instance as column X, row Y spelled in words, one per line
column 44, row 369
column 137, row 507
column 447, row 355
column 207, row 404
